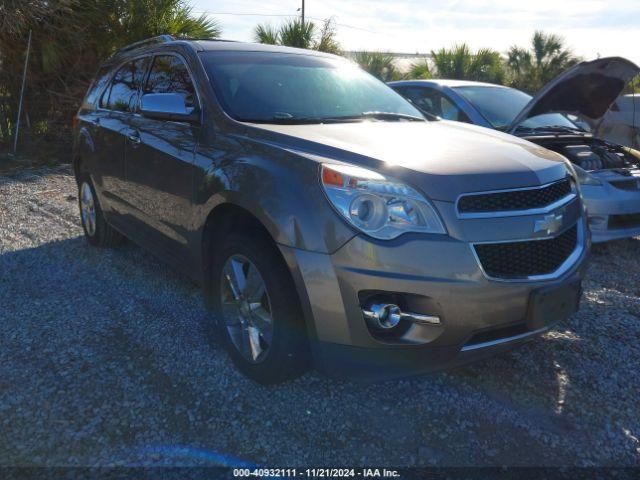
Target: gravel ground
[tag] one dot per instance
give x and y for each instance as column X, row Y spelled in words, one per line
column 103, row 362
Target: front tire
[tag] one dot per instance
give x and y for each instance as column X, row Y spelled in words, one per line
column 96, row 230
column 257, row 311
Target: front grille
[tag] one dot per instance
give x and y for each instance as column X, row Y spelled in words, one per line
column 514, row 200
column 528, row 258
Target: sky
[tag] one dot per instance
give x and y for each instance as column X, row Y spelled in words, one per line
column 591, row 28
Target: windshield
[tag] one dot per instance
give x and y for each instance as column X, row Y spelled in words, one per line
column 500, row 106
column 281, row 87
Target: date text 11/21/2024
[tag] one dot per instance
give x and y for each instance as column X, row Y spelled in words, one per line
column 317, row 472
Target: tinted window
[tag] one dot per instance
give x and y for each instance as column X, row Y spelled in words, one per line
column 434, row 102
column 260, row 86
column 125, row 85
column 97, row 87
column 170, row 75
column 500, row 106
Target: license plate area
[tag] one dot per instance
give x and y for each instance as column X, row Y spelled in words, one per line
column 552, row 304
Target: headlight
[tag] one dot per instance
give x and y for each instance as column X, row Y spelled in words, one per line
column 376, row 205
column 584, row 177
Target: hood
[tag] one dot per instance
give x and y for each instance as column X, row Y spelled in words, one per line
column 443, row 158
column 586, row 90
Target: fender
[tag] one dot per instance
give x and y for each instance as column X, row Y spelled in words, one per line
column 263, row 179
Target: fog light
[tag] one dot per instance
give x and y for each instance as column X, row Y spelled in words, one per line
column 383, row 316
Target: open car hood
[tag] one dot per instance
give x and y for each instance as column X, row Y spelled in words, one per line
column 586, row 90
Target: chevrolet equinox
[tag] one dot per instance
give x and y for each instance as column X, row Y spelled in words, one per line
column 330, row 224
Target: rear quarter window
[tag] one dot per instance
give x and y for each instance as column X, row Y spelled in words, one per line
column 98, row 85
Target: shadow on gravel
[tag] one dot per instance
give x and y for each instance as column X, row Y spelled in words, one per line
column 104, row 361
column 30, row 175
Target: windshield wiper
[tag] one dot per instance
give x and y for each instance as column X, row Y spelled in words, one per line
column 283, row 120
column 552, row 129
column 391, row 116
column 288, row 119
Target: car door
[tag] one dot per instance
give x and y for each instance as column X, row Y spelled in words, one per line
column 159, row 162
column 116, row 106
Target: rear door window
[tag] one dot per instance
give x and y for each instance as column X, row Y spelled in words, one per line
column 125, row 86
column 169, row 74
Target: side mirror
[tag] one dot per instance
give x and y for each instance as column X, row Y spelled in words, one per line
column 168, row 106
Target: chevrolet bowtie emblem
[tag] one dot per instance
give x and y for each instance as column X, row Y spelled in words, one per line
column 549, row 224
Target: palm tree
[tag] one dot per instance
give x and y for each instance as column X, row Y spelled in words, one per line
column 532, row 68
column 461, row 63
column 267, row 34
column 420, row 70
column 70, row 38
column 378, row 64
column 488, row 66
column 139, row 19
column 295, row 33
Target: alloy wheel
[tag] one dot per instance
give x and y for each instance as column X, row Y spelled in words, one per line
column 88, row 209
column 246, row 308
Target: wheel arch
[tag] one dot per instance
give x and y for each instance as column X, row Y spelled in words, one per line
column 230, row 217
column 225, row 218
column 76, row 162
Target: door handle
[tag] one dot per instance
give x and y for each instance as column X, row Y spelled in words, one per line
column 134, row 138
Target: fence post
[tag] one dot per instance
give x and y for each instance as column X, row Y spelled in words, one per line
column 24, row 78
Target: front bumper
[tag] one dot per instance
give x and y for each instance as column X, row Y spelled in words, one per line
column 614, row 213
column 441, row 275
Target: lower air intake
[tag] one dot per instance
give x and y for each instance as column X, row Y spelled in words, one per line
column 520, row 260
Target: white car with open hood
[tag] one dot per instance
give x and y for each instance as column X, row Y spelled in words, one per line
column 561, row 118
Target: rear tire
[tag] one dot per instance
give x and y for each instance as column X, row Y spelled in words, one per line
column 267, row 352
column 96, row 230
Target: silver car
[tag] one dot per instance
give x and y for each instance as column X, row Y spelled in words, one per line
column 559, row 117
column 621, row 124
column 328, row 222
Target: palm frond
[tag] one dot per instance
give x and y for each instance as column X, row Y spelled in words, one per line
column 459, row 62
column 378, row 64
column 530, row 69
column 420, row 70
column 295, row 33
column 266, row 34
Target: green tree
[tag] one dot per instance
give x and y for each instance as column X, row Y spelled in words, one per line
column 267, row 34
column 378, row 64
column 295, row 33
column 420, row 71
column 69, row 39
column 138, row 19
column 531, row 68
column 461, row 63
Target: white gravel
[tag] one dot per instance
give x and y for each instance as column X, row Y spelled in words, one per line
column 103, row 362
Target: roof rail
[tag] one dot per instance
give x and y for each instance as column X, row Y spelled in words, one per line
column 195, row 39
column 144, row 43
